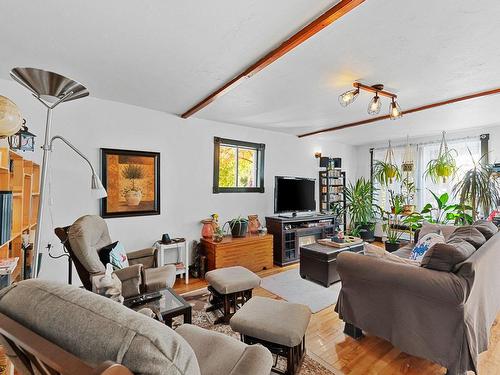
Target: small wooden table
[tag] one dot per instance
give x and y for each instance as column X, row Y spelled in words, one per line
column 254, row 252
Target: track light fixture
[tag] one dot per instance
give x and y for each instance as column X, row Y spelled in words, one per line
column 375, row 105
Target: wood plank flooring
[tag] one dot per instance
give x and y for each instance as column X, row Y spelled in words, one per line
column 327, row 344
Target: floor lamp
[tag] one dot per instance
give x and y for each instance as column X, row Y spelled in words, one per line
column 52, row 89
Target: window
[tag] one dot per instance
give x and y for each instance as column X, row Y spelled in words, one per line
column 238, row 166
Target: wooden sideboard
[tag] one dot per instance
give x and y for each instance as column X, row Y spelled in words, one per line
column 254, row 252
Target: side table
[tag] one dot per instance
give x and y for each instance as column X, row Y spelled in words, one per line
column 176, row 253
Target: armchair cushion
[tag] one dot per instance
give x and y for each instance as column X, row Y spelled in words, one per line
column 97, row 329
column 146, row 257
column 219, row 354
column 131, row 278
column 159, row 278
column 86, row 236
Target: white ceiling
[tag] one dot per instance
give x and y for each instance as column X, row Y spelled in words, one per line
column 168, row 55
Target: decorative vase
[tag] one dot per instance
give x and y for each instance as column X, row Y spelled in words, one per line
column 408, row 209
column 253, row 223
column 133, row 197
column 207, row 231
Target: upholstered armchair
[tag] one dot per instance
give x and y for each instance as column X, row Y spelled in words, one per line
column 89, row 234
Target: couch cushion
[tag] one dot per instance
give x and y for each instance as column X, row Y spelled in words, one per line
column 424, row 243
column 445, row 256
column 487, row 228
column 470, row 234
column 219, row 354
column 272, row 320
column 97, row 329
column 443, row 229
column 232, row 279
column 378, row 252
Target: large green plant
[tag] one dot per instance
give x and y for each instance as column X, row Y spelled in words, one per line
column 359, row 203
column 477, row 188
column 386, row 172
column 443, row 167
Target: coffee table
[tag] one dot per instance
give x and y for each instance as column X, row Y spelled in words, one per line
column 168, row 304
column 319, row 262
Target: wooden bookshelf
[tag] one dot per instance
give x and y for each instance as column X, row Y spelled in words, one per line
column 332, row 182
column 22, row 177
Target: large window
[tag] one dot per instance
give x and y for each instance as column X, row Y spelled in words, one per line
column 238, row 166
column 423, row 153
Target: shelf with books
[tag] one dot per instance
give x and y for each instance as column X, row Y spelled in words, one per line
column 331, row 192
column 20, row 180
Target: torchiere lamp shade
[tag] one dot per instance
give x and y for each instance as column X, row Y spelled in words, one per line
column 48, row 86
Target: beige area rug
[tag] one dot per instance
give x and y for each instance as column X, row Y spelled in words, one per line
column 199, row 300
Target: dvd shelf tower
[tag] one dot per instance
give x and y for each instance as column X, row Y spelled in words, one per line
column 332, row 183
column 20, row 178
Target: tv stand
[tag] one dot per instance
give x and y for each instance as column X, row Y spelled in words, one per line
column 290, row 233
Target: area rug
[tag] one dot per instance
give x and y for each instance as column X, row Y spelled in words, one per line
column 291, row 287
column 198, row 300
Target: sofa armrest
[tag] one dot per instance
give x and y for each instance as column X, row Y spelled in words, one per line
column 256, row 360
column 371, row 272
column 131, row 278
column 146, row 257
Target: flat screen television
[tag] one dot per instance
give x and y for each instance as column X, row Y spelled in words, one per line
column 294, row 194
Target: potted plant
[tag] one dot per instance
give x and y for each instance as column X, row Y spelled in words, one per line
column 218, row 235
column 133, row 193
column 408, row 191
column 360, row 208
column 444, row 166
column 478, row 189
column 238, row 226
column 392, row 229
column 385, row 172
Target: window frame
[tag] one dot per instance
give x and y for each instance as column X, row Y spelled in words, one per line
column 259, row 147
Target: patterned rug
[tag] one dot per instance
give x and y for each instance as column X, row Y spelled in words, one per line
column 198, row 299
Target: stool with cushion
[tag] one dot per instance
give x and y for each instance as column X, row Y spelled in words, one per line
column 278, row 325
column 230, row 287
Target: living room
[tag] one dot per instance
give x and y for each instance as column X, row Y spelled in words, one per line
column 177, row 85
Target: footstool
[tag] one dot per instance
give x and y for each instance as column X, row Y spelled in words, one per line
column 230, row 288
column 280, row 326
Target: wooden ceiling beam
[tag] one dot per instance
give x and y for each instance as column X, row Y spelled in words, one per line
column 331, row 15
column 374, row 90
column 412, row 110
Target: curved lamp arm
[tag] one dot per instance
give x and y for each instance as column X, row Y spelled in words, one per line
column 96, row 184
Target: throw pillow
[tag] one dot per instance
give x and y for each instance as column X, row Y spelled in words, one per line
column 447, row 230
column 114, row 254
column 428, row 228
column 469, row 234
column 424, row 244
column 445, row 256
column 378, row 252
column 487, row 228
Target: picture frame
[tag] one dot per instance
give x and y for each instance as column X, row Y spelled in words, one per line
column 132, row 181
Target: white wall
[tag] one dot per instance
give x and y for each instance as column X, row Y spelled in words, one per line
column 362, row 161
column 186, row 148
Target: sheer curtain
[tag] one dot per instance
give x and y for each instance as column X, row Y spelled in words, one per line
column 424, row 152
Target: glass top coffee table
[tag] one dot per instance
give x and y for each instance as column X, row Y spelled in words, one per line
column 165, row 302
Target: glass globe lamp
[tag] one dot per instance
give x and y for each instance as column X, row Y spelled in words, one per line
column 10, row 117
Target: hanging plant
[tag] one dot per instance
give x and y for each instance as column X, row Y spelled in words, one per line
column 444, row 166
column 385, row 172
column 408, row 164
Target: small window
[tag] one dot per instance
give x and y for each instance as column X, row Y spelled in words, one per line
column 238, row 166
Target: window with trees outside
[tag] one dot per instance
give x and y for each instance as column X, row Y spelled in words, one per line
column 238, row 166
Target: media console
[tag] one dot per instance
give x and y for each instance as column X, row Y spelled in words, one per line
column 290, row 233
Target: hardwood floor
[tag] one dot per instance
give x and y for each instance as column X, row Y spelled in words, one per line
column 327, row 344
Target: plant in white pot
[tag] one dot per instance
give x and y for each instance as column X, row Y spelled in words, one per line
column 133, row 193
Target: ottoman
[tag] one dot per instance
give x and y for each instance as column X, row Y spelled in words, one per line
column 230, row 288
column 280, row 326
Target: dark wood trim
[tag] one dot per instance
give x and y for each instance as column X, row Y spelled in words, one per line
column 33, row 350
column 104, row 178
column 260, row 147
column 374, row 90
column 412, row 110
column 331, row 15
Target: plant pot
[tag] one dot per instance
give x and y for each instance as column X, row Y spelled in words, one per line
column 133, row 197
column 391, row 247
column 239, row 228
column 207, row 231
column 408, row 209
column 366, row 232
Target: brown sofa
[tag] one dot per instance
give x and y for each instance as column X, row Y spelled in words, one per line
column 90, row 331
column 441, row 316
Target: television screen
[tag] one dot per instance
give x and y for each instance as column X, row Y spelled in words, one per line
column 294, row 194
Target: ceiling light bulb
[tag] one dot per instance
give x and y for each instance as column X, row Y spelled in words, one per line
column 374, row 106
column 395, row 110
column 348, row 97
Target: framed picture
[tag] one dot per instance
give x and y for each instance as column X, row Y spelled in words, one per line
column 132, row 180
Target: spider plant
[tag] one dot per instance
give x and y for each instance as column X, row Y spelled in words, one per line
column 443, row 167
column 477, row 188
column 385, row 172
